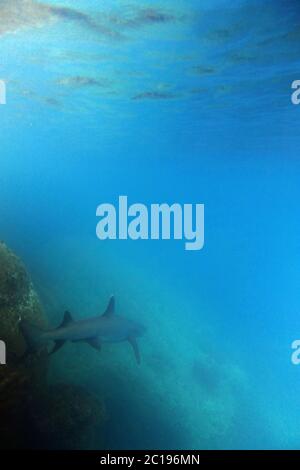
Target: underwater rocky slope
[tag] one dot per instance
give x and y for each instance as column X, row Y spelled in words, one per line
column 34, row 414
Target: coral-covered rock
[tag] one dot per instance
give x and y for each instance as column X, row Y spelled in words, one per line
column 17, row 299
column 32, row 413
column 14, row 282
column 18, row 379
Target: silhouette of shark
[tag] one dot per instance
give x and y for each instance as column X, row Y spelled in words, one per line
column 105, row 328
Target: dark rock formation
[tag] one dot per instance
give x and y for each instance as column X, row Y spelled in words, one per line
column 32, row 413
column 67, row 417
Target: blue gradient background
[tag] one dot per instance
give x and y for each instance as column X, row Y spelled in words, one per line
column 193, row 108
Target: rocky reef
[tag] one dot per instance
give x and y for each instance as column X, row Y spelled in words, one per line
column 33, row 413
column 17, row 299
column 67, row 417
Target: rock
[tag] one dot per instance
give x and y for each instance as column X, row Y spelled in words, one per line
column 67, row 417
column 14, row 282
column 17, row 299
column 18, row 379
column 34, row 414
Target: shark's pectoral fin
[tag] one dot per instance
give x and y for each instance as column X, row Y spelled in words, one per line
column 95, row 343
column 58, row 344
column 135, row 348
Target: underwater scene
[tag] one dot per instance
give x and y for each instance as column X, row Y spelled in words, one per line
column 143, row 343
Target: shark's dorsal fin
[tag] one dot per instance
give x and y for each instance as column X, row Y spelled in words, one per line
column 110, row 308
column 67, row 320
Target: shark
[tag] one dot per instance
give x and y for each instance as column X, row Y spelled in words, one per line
column 105, row 328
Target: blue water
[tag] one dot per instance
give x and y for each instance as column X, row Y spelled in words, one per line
column 163, row 101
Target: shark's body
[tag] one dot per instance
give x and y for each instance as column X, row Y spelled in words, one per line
column 105, row 328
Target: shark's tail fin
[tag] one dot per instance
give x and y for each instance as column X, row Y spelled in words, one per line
column 32, row 336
